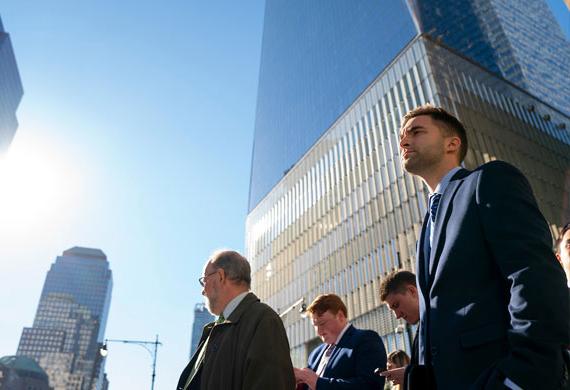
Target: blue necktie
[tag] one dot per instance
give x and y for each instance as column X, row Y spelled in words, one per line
column 433, row 205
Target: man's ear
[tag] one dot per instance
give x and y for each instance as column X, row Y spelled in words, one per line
column 222, row 275
column 413, row 290
column 557, row 254
column 453, row 144
column 340, row 315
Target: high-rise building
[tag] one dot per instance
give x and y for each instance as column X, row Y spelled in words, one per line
column 331, row 209
column 69, row 325
column 518, row 40
column 201, row 317
column 11, row 90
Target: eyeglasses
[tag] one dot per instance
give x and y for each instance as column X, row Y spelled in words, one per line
column 202, row 280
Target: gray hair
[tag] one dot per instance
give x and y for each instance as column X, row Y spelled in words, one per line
column 235, row 266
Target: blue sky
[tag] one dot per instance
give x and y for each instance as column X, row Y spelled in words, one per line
column 141, row 115
column 135, row 137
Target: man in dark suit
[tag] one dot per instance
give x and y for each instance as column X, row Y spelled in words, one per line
column 348, row 356
column 493, row 300
column 398, row 290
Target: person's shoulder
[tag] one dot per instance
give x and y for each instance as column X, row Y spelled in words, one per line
column 498, row 167
column 256, row 306
column 500, row 176
column 366, row 333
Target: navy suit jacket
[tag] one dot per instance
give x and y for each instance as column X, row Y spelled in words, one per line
column 496, row 302
column 352, row 363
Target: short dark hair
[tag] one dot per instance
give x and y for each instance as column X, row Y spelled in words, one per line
column 399, row 358
column 327, row 302
column 450, row 124
column 235, row 266
column 565, row 228
column 396, row 282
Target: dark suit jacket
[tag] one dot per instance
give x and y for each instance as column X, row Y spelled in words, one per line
column 496, row 304
column 352, row 363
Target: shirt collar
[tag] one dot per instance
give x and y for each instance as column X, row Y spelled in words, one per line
column 342, row 332
column 231, row 306
column 440, row 189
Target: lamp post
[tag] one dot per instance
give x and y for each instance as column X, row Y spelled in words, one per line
column 145, row 344
column 299, row 302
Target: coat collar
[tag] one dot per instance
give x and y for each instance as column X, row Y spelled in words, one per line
column 346, row 336
column 247, row 301
column 341, row 344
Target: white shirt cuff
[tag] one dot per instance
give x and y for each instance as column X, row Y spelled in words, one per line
column 511, row 385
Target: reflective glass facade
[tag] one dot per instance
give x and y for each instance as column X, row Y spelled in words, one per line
column 346, row 214
column 519, row 40
column 317, row 57
column 84, row 274
column 63, row 341
column 11, row 90
column 69, row 325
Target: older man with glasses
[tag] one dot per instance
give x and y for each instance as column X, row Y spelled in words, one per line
column 246, row 347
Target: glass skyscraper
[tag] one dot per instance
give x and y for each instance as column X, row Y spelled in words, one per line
column 518, row 40
column 318, row 56
column 70, row 321
column 11, row 90
column 331, row 209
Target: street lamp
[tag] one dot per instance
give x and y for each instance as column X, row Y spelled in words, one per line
column 153, row 352
column 302, row 308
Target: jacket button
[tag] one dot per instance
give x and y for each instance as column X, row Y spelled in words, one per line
column 434, row 351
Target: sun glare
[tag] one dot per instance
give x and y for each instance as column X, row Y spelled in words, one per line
column 34, row 184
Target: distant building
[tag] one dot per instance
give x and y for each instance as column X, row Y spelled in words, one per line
column 11, row 90
column 22, row 373
column 105, row 385
column 201, row 317
column 70, row 321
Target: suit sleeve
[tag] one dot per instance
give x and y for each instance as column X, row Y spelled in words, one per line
column 519, row 241
column 369, row 354
column 268, row 358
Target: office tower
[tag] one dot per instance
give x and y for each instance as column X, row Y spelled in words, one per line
column 69, row 325
column 201, row 317
column 22, row 373
column 11, row 90
column 331, row 209
column 515, row 39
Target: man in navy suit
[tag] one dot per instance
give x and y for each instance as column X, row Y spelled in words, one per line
column 348, row 356
column 399, row 292
column 493, row 301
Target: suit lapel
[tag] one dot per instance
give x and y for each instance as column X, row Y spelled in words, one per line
column 420, row 254
column 443, row 214
column 342, row 343
column 315, row 363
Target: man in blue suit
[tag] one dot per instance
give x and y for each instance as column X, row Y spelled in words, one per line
column 493, row 300
column 348, row 356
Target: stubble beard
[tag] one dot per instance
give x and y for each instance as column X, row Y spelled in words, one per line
column 211, row 302
column 421, row 164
